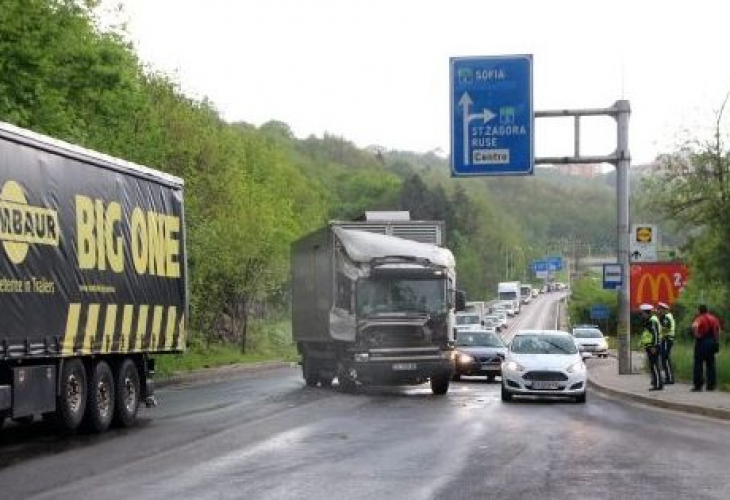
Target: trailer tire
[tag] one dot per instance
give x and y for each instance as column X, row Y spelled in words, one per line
column 71, row 401
column 100, row 407
column 440, row 384
column 127, row 394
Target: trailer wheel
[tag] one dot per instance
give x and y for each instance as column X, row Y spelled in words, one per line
column 100, row 409
column 71, row 402
column 440, row 384
column 127, row 394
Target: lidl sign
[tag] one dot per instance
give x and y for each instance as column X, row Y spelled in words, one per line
column 653, row 282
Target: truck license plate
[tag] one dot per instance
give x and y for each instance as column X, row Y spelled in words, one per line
column 404, row 366
column 545, row 385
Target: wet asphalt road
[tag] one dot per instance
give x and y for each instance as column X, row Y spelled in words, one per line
column 267, row 436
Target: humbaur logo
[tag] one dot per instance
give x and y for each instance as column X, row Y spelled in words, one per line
column 22, row 225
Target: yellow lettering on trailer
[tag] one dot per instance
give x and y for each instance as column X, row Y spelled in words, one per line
column 97, row 235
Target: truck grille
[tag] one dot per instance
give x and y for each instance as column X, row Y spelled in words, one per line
column 545, row 376
column 395, row 335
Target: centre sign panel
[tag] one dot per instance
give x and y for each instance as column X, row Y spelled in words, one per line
column 492, row 116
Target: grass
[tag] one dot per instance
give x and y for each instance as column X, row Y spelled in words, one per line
column 268, row 341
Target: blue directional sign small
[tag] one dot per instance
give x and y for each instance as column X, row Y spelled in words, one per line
column 600, row 311
column 540, row 266
column 555, row 263
column 492, row 118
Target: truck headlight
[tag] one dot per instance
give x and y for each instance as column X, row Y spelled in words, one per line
column 362, row 356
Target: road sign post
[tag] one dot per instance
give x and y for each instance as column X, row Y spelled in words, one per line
column 492, row 118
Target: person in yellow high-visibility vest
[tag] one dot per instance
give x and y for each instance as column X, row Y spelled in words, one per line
column 649, row 340
column 666, row 341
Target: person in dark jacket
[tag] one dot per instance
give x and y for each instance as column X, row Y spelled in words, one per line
column 706, row 330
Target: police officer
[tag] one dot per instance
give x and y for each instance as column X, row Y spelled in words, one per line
column 649, row 340
column 666, row 320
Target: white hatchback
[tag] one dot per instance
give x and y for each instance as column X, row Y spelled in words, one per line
column 544, row 363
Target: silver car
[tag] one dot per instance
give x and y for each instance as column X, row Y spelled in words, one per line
column 590, row 339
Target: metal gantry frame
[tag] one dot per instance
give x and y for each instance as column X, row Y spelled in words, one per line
column 621, row 159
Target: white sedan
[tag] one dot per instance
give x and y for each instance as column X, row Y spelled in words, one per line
column 544, row 363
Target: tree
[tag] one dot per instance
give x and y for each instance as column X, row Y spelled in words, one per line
column 692, row 187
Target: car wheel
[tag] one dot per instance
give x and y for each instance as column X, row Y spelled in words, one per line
column 506, row 395
column 490, row 378
column 456, row 377
column 581, row 398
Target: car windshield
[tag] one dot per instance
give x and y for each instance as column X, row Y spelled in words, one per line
column 543, row 344
column 588, row 333
column 467, row 319
column 480, row 339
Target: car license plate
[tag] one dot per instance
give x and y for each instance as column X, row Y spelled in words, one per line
column 545, row 385
column 487, row 366
column 404, row 366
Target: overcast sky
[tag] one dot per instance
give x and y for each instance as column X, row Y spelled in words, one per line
column 377, row 71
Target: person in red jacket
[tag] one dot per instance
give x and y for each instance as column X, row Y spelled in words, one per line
column 706, row 329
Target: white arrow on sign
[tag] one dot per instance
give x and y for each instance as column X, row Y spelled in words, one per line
column 486, row 115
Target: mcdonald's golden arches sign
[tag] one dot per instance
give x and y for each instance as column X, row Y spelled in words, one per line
column 653, row 282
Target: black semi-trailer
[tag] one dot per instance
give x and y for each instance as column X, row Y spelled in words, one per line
column 93, row 281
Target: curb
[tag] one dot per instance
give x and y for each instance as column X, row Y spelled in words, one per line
column 220, row 373
column 669, row 405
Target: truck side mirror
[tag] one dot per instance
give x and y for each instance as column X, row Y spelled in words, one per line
column 460, row 300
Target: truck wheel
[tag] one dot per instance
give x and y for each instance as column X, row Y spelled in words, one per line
column 325, row 381
column 311, row 375
column 440, row 384
column 100, row 409
column 456, row 377
column 71, row 402
column 347, row 384
column 127, row 394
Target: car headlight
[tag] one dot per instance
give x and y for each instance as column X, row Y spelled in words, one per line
column 465, row 358
column 514, row 366
column 576, row 367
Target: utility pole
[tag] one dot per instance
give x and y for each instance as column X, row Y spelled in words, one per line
column 621, row 159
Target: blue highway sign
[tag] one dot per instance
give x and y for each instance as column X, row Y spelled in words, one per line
column 600, row 311
column 555, row 263
column 492, row 117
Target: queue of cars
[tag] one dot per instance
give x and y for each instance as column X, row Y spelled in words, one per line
column 534, row 363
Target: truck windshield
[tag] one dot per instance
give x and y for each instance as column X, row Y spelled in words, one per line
column 507, row 295
column 401, row 295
